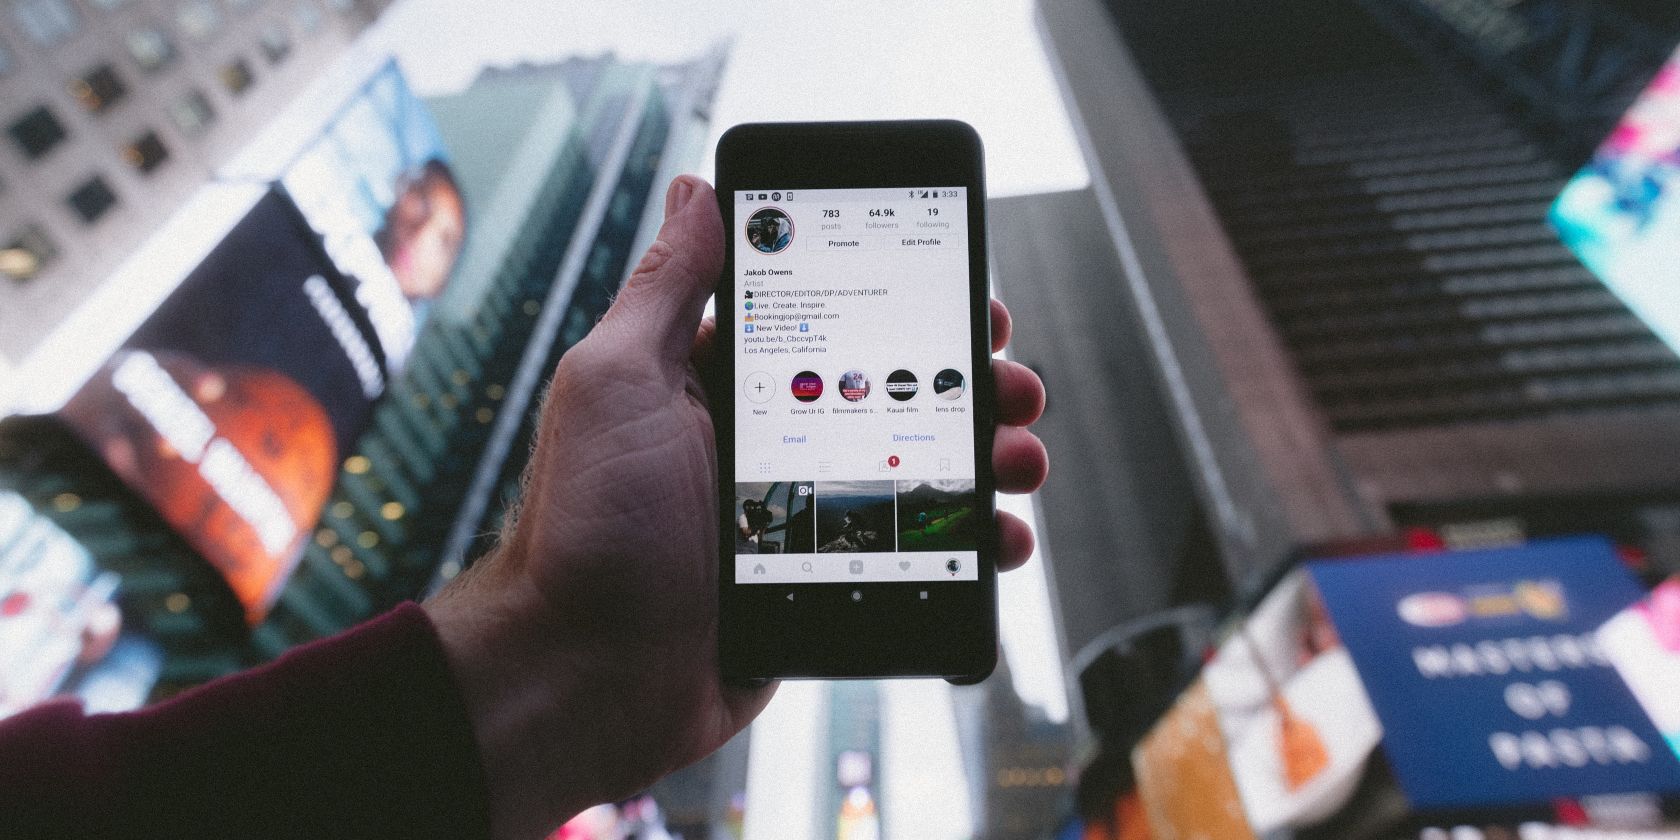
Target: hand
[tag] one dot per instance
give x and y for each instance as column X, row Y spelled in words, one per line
column 585, row 645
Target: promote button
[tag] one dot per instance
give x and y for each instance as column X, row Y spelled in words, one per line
column 847, row 243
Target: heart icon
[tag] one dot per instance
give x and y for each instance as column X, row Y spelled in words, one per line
column 904, row 565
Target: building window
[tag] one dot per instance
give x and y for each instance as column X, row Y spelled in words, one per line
column 99, row 89
column 236, row 76
column 29, row 251
column 46, row 22
column 199, row 19
column 192, row 113
column 92, row 199
column 307, row 17
column 274, row 43
column 146, row 153
column 151, row 49
column 37, row 132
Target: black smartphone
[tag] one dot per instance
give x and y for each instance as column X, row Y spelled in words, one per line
column 853, row 403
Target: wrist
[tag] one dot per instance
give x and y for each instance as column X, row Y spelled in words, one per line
column 518, row 683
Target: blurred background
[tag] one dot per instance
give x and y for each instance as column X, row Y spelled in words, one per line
column 1358, row 320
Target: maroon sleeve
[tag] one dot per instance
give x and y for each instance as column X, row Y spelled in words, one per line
column 360, row 735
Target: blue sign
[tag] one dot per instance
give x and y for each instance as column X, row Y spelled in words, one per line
column 1483, row 668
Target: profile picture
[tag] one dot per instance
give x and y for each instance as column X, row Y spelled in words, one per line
column 807, row 386
column 854, row 385
column 770, row 231
column 948, row 384
column 902, row 385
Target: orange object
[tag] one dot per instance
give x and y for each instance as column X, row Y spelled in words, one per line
column 1303, row 751
column 1185, row 788
column 1130, row 822
column 238, row 460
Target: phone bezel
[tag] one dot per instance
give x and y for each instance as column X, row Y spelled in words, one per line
column 821, row 632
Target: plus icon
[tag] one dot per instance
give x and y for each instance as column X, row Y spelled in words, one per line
column 759, row 387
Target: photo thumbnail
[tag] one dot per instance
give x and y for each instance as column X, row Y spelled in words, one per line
column 807, row 386
column 773, row 518
column 948, row 384
column 902, row 385
column 854, row 385
column 854, row 516
column 770, row 231
column 936, row 515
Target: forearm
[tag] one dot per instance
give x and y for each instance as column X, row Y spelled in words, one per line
column 362, row 735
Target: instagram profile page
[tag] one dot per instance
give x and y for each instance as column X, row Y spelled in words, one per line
column 854, row 422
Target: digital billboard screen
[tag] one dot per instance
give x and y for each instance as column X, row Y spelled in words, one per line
column 1621, row 213
column 1367, row 694
column 229, row 408
column 61, row 632
column 376, row 185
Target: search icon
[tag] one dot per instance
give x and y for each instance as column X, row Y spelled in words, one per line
column 806, row 565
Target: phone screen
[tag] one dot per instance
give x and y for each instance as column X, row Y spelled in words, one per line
column 854, row 413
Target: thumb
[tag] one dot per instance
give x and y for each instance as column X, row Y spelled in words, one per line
column 662, row 301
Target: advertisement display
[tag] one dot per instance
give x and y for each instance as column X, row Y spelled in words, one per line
column 60, row 629
column 229, row 407
column 1621, row 213
column 1397, row 692
column 1643, row 642
column 1293, row 710
column 1485, row 671
column 376, row 185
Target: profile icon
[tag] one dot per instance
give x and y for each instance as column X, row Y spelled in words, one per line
column 948, row 384
column 770, row 231
column 807, row 386
column 854, row 385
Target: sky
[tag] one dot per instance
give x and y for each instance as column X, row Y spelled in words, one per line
column 976, row 61
column 981, row 62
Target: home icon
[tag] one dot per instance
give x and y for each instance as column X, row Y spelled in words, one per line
column 758, row 569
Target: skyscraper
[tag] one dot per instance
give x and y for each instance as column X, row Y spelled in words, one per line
column 1332, row 232
column 116, row 112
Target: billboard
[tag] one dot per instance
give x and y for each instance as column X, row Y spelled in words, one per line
column 376, row 185
column 228, row 408
column 1621, row 213
column 1643, row 642
column 60, row 629
column 1485, row 671
column 1369, row 696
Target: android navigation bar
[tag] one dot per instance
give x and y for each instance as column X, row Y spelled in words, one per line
column 860, row 567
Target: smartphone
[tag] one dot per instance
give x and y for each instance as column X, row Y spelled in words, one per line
column 853, row 403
